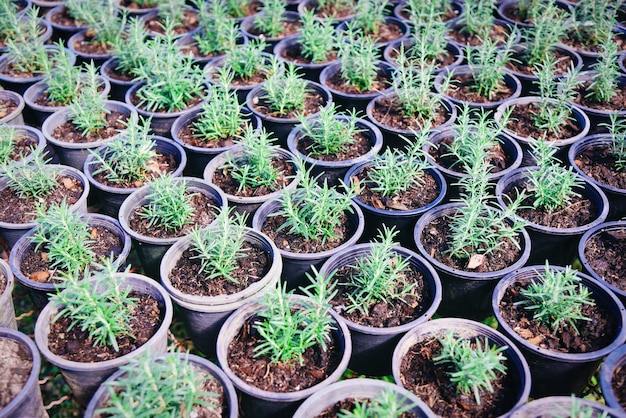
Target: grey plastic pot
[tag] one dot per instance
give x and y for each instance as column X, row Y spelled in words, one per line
column 334, row 171
column 372, row 347
column 613, row 363
column 554, row 372
column 204, row 315
column 246, row 204
column 150, row 250
column 556, row 406
column 525, row 142
column 289, row 48
column 41, row 291
column 11, row 232
column 517, row 365
column 403, row 220
column 231, row 408
column 119, row 87
column 264, row 404
column 297, row 265
column 85, row 57
column 359, row 389
column 161, row 122
column 36, row 113
column 74, row 154
column 466, row 294
column 84, row 378
column 603, row 231
column 7, row 310
column 110, row 198
column 32, row 133
column 28, row 402
column 45, row 5
column 557, row 245
column 598, row 148
column 15, row 117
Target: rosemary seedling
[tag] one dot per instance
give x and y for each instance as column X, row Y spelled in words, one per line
column 87, row 111
column 172, row 12
column 578, row 410
column 105, row 314
column 104, row 21
column 605, row 80
column 32, row 180
column 130, row 51
column 318, row 38
column 425, row 12
column 286, row 91
column 546, row 32
column 593, row 22
column 248, row 59
column 289, row 327
column 62, row 78
column 556, row 298
column 385, row 404
column 270, row 21
column 163, row 386
column 27, row 53
column 9, row 19
column 10, row 136
column 473, row 365
column 254, row 168
column 488, row 63
column 217, row 33
column 219, row 246
column 617, row 131
column 236, row 8
column 477, row 18
column 328, row 134
column 370, row 15
column 168, row 203
column 428, row 44
column 358, row 56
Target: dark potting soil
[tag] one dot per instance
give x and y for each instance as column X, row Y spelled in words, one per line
column 511, row 11
column 349, row 404
column 519, row 60
column 17, row 364
column 498, row 160
column 23, row 145
column 330, row 9
column 190, row 22
column 465, row 88
column 225, row 181
column 135, row 100
column 384, row 314
column 579, row 211
column 138, row 4
column 296, row 244
column 581, row 45
column 189, row 136
column 118, row 75
column 289, row 28
column 36, row 265
column 444, row 60
column 294, row 54
column 261, row 372
column 619, row 385
column 76, row 345
column 415, row 197
column 44, row 98
column 615, row 104
column 436, row 239
column 156, row 166
column 313, row 102
column 7, row 106
column 387, row 32
column 14, row 209
column 337, row 82
column 188, row 277
column 598, row 162
column 449, row 14
column 605, row 254
column 68, row 132
column 64, row 19
column 361, row 146
column 522, row 123
column 431, row 383
column 498, row 33
column 90, row 46
column 203, row 214
column 593, row 335
column 389, row 113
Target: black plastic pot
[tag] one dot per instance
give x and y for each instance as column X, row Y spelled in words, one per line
column 118, row 87
column 264, row 404
column 560, row 406
column 150, row 250
column 15, row 117
column 553, row 372
column 557, row 245
column 372, row 347
column 466, row 329
column 7, row 310
column 613, row 363
column 84, row 57
column 310, row 71
column 60, row 32
column 466, row 294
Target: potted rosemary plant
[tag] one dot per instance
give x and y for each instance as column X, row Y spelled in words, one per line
column 17, row 145
column 272, row 23
column 173, row 16
column 11, row 107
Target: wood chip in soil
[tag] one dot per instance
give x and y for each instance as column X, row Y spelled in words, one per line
column 619, row 385
column 16, row 364
column 605, row 252
column 7, row 106
column 3, row 282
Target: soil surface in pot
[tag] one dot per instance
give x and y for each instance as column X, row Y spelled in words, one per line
column 619, row 385
column 337, row 82
column 497, row 161
column 598, row 162
column 444, row 60
column 465, row 88
column 7, row 106
column 330, row 10
column 313, row 102
column 349, row 404
column 16, row 210
column 17, row 364
column 225, row 181
column 190, row 22
column 264, row 374
column 519, row 63
column 436, row 239
column 119, row 75
column 605, row 254
column 383, row 314
column 36, row 265
column 522, row 123
column 203, row 214
column 498, row 33
column 297, row 244
column 415, row 197
column 68, row 132
column 581, row 45
column 23, row 145
column 361, row 146
column 188, row 135
column 189, row 277
column 615, row 104
column 289, row 28
column 577, row 212
column 431, row 383
column 90, row 46
column 512, row 12
column 387, row 32
column 593, row 335
column 155, row 167
column 388, row 112
column 294, row 53
column 198, row 98
column 76, row 345
column 64, row 19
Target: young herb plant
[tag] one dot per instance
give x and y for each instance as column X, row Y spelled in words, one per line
column 318, row 38
column 31, row 181
column 9, row 19
column 605, row 80
column 236, row 8
column 130, row 50
column 428, row 44
column 425, row 12
column 370, row 15
column 62, row 78
column 270, row 21
column 27, row 53
column 617, row 131
column 358, row 56
column 385, row 404
column 217, row 33
column 8, row 153
column 105, row 314
column 556, row 298
column 329, row 134
column 477, row 17
column 166, row 386
column 488, row 63
column 545, row 33
column 578, row 410
column 172, row 12
column 87, row 111
column 168, row 203
column 473, row 365
column 248, row 60
column 105, row 23
column 593, row 22
column 285, row 92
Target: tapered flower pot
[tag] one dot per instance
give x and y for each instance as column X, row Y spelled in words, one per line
column 15, row 117
column 562, row 406
column 247, row 27
column 7, row 310
column 119, row 85
column 289, row 50
column 610, row 381
column 34, row 137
